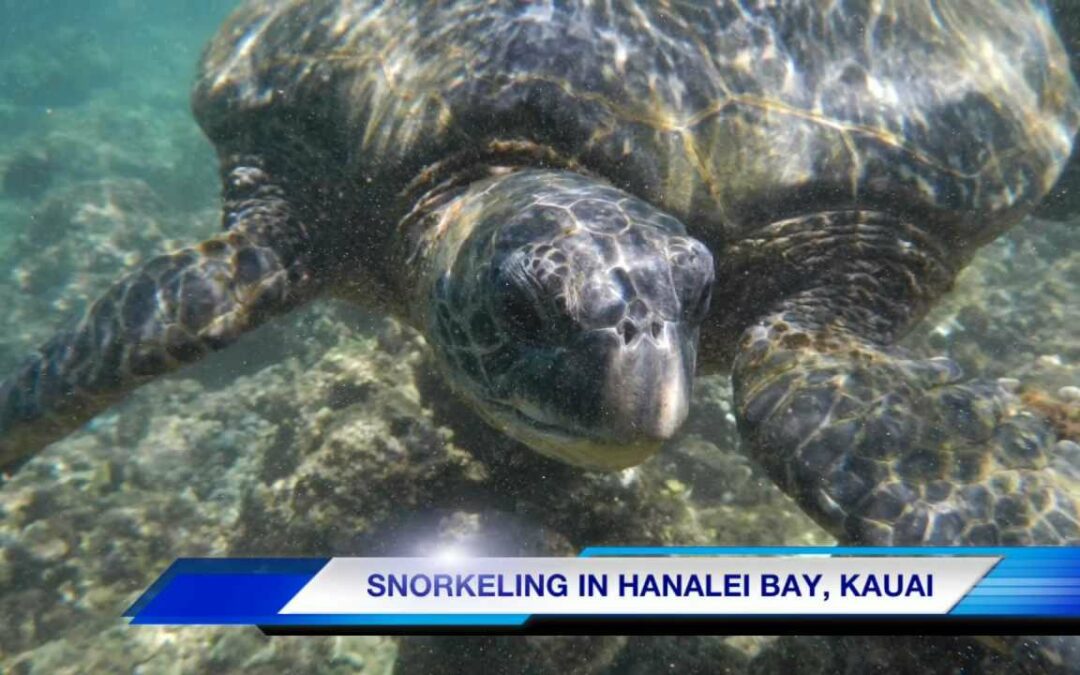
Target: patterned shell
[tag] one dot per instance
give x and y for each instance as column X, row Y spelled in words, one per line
column 727, row 114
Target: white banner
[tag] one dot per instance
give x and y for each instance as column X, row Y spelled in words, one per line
column 788, row 585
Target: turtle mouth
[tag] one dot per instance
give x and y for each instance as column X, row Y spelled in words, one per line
column 567, row 432
column 603, row 402
column 573, row 445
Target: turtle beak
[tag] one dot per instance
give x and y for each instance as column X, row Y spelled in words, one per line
column 648, row 382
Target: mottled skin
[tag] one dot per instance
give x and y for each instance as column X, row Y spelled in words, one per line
column 552, row 192
column 568, row 315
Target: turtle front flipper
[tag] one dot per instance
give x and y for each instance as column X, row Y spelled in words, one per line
column 173, row 311
column 878, row 447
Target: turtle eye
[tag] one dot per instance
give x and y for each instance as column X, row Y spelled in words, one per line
column 518, row 311
column 695, row 309
column 692, row 272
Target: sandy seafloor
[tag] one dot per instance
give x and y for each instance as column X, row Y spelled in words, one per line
column 327, row 433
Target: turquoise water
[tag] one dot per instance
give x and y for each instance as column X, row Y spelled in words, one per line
column 96, row 100
column 103, row 167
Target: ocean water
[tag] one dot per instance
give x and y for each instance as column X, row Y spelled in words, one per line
column 331, row 432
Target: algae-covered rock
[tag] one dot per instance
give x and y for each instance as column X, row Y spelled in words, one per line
column 1012, row 311
column 321, row 453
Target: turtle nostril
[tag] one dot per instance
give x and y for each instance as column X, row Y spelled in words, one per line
column 629, row 331
column 656, row 329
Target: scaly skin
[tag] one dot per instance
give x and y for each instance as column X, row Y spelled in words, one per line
column 564, row 310
column 879, row 448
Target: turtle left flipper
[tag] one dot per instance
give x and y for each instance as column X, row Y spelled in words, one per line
column 174, row 310
column 883, row 449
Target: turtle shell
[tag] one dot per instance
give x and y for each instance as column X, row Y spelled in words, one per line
column 730, row 115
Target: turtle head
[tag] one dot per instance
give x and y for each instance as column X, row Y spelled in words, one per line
column 567, row 312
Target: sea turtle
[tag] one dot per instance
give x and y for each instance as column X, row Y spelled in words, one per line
column 563, row 197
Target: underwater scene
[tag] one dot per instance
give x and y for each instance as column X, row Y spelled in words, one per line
column 460, row 263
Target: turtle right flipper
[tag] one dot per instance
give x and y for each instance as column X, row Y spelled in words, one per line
column 881, row 448
column 173, row 311
column 887, row 451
